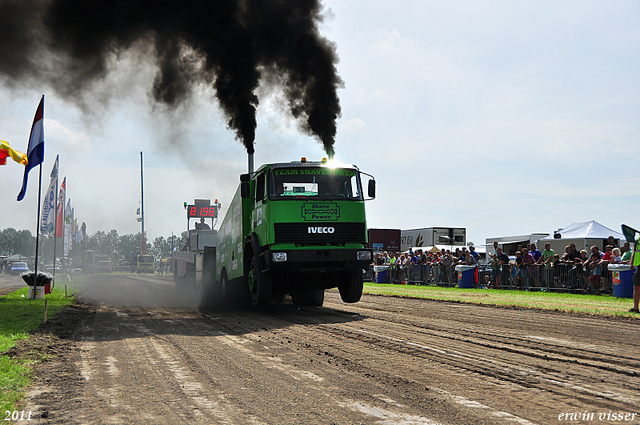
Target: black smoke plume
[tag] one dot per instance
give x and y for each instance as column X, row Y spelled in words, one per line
column 230, row 45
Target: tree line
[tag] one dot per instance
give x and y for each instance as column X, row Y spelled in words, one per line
column 113, row 245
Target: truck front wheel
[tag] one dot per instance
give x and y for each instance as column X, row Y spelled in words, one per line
column 351, row 286
column 259, row 284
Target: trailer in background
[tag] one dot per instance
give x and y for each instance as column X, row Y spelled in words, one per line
column 430, row 236
column 384, row 240
column 510, row 244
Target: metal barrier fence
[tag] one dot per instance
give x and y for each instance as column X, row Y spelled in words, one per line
column 562, row 277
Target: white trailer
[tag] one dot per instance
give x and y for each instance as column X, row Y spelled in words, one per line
column 429, row 236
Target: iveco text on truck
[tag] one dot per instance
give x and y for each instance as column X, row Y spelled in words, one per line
column 296, row 228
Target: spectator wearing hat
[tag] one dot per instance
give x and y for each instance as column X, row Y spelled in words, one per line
column 593, row 266
column 516, row 268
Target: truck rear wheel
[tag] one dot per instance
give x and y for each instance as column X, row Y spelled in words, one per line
column 259, row 284
column 351, row 286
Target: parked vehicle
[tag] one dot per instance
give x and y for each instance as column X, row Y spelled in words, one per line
column 19, row 267
column 145, row 263
column 104, row 266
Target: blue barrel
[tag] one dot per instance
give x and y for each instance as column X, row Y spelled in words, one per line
column 466, row 276
column 382, row 274
column 622, row 278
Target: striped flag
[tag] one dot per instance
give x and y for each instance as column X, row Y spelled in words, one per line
column 35, row 150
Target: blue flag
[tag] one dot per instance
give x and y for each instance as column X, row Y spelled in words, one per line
column 48, row 222
column 35, row 150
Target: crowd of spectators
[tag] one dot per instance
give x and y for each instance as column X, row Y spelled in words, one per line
column 592, row 266
column 443, row 259
column 420, row 257
column 529, row 266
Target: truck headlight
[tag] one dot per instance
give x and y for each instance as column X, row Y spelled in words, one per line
column 363, row 255
column 279, row 257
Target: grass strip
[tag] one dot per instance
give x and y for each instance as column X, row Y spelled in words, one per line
column 18, row 316
column 601, row 305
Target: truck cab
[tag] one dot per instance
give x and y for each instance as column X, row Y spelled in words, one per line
column 297, row 228
column 145, row 263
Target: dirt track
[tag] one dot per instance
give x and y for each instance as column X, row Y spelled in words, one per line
column 142, row 354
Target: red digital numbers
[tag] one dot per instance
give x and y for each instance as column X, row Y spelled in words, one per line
column 198, row 211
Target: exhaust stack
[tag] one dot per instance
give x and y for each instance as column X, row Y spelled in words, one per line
column 250, row 162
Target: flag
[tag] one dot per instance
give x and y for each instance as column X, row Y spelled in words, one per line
column 47, row 224
column 35, row 149
column 77, row 231
column 7, row 151
column 60, row 213
column 68, row 218
column 68, row 214
column 72, row 228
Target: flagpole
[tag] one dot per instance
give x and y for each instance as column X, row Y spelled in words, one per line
column 63, row 266
column 55, row 225
column 143, row 247
column 33, row 293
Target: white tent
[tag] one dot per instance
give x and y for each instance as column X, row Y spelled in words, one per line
column 583, row 235
column 17, row 257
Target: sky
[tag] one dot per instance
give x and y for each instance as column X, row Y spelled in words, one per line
column 505, row 118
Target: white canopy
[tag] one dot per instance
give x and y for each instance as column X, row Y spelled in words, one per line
column 17, row 257
column 583, row 235
column 586, row 230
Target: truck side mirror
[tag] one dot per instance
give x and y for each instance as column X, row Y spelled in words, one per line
column 372, row 188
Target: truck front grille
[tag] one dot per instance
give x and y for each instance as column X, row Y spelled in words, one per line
column 320, row 233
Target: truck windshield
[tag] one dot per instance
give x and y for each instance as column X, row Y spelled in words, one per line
column 317, row 183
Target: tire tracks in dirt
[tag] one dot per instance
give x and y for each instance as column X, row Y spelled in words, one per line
column 148, row 357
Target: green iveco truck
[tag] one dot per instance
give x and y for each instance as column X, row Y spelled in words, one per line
column 295, row 228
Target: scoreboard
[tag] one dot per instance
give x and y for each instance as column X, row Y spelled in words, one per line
column 202, row 211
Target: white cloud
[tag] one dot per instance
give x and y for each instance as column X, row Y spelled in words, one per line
column 66, row 137
column 353, row 125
